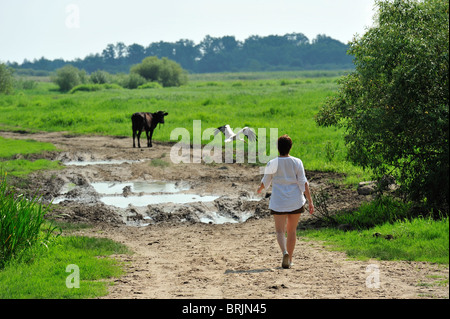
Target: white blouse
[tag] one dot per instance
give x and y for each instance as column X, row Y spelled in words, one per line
column 288, row 179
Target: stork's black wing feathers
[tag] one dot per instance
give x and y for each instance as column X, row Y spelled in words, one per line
column 221, row 129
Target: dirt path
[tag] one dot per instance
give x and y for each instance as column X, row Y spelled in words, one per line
column 243, row 261
column 176, row 256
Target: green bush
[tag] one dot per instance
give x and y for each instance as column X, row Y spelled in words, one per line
column 150, row 85
column 6, row 79
column 86, row 88
column 164, row 71
column 28, row 84
column 99, row 77
column 133, row 81
column 94, row 87
column 68, row 77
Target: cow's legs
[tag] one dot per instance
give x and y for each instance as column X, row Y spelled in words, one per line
column 151, row 135
column 134, row 135
column 149, row 141
column 139, row 138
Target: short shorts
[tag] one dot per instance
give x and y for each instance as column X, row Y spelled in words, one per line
column 297, row 211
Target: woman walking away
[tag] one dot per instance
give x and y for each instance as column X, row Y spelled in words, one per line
column 287, row 202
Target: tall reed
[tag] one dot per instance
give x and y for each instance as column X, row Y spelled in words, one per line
column 20, row 222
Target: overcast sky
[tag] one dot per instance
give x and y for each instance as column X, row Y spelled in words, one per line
column 70, row 29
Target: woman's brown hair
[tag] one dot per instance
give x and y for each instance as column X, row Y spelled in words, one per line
column 284, row 145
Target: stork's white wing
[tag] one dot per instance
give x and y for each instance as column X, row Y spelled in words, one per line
column 249, row 133
column 226, row 130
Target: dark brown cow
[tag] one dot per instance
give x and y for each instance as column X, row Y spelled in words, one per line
column 146, row 121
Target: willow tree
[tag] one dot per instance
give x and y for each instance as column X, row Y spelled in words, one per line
column 394, row 106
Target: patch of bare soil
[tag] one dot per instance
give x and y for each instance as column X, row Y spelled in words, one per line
column 222, row 247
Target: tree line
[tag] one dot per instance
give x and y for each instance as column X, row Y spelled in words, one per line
column 292, row 51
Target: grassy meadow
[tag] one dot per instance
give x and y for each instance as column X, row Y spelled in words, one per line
column 386, row 229
column 284, row 100
column 10, row 148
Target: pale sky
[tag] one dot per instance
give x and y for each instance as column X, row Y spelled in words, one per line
column 69, row 29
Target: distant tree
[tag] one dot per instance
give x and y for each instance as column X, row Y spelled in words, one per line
column 164, row 71
column 221, row 54
column 161, row 49
column 69, row 76
column 91, row 63
column 171, row 73
column 121, row 50
column 186, row 54
column 99, row 77
column 109, row 54
column 6, row 79
column 394, row 106
column 136, row 53
column 148, row 68
column 133, row 81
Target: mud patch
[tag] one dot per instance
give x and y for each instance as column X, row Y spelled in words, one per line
column 110, row 162
column 108, row 167
column 114, row 188
column 141, row 203
column 145, row 200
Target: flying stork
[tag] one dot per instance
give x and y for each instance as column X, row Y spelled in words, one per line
column 230, row 136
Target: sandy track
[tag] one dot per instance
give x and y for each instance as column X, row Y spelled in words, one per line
column 196, row 260
column 243, row 261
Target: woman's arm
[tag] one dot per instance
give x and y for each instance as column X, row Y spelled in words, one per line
column 309, row 199
column 260, row 188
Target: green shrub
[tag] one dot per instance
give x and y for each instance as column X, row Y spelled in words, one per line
column 6, row 79
column 133, row 81
column 111, row 86
column 94, row 87
column 164, row 71
column 150, row 85
column 99, row 77
column 68, row 77
column 86, row 88
column 26, row 84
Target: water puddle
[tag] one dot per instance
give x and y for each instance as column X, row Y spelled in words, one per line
column 123, row 202
column 106, row 162
column 215, row 218
column 139, row 203
column 113, row 188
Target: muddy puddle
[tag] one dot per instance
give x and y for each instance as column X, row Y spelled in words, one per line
column 107, row 181
column 141, row 203
column 103, row 162
column 113, row 188
column 145, row 200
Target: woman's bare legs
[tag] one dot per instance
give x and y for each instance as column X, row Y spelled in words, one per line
column 280, row 228
column 291, row 229
column 286, row 224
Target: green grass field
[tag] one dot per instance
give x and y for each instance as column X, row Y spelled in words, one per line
column 21, row 167
column 386, row 229
column 284, row 100
column 287, row 101
column 49, row 278
column 418, row 239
